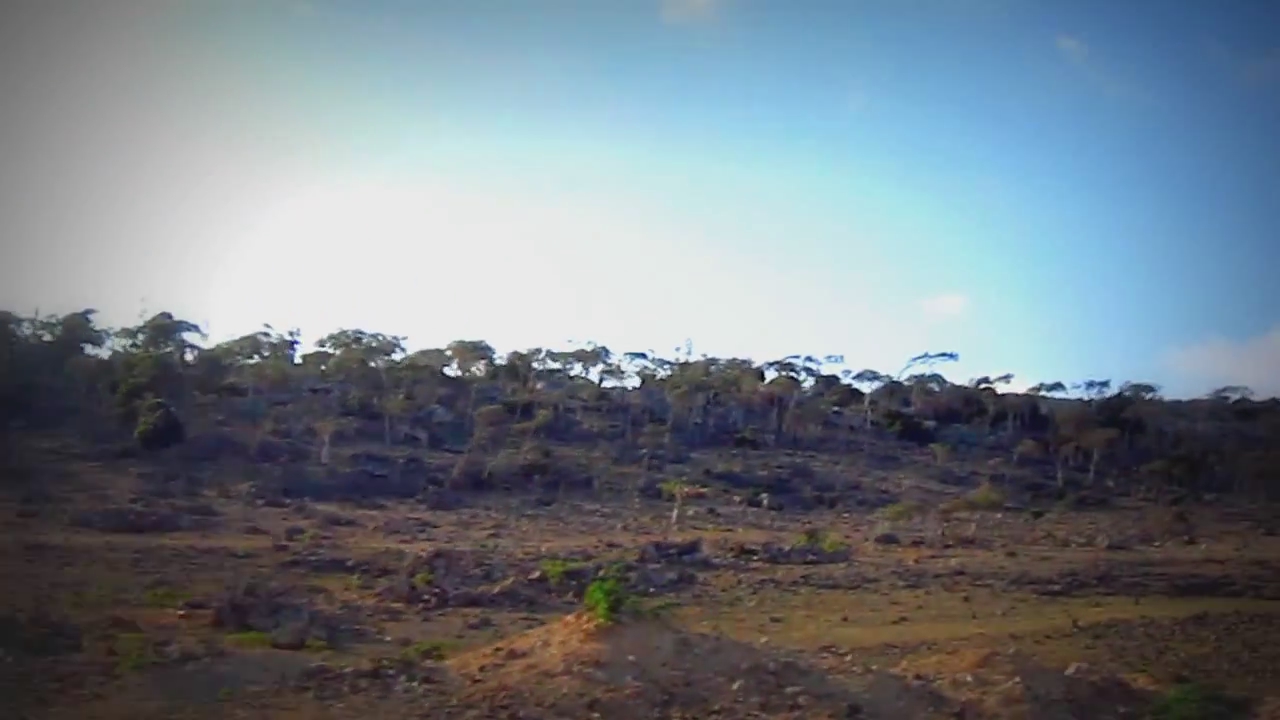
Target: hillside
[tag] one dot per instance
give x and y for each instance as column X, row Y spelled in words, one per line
column 246, row 528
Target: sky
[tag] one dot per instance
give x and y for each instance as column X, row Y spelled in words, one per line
column 1061, row 189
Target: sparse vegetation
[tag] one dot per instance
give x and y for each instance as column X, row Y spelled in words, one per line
column 606, row 599
column 249, row 639
column 986, row 497
column 823, row 540
column 435, row 650
column 66, row 369
column 164, row 597
column 133, row 652
column 557, row 569
column 901, row 511
column 482, row 494
column 1193, row 701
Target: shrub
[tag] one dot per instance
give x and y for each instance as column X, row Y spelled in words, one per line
column 250, row 639
column 134, row 651
column 672, row 489
column 428, row 650
column 606, row 598
column 904, row 510
column 908, row 428
column 163, row 597
column 556, row 569
column 822, row 540
column 158, row 426
column 985, row 497
column 1192, row 701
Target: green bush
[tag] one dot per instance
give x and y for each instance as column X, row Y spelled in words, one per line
column 822, row 540
column 250, row 639
column 986, row 497
column 904, row 510
column 429, row 650
column 158, row 426
column 1192, row 701
column 556, row 569
column 606, row 598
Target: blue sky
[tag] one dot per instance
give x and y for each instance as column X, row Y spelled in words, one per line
column 1062, row 190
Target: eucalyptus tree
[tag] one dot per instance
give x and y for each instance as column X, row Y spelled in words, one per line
column 686, row 386
column 471, row 358
column 739, row 385
column 151, row 360
column 363, row 362
column 1055, row 387
column 1092, row 390
column 872, row 380
column 266, row 358
column 470, row 362
column 162, row 334
column 53, row 367
column 782, row 391
column 1230, row 393
column 926, row 360
column 360, row 357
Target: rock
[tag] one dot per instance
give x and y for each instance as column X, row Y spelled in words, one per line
column 212, row 447
column 1106, row 542
column 402, row 590
column 124, row 519
column 650, row 489
column 1076, row 669
column 294, row 533
column 270, row 450
column 258, row 607
column 291, row 637
column 887, row 538
column 331, row 519
column 801, row 554
column 39, row 636
column 480, row 623
column 442, row 500
column 657, row 580
column 377, row 462
column 660, row 551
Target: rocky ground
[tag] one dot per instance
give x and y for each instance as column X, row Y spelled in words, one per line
column 124, row 600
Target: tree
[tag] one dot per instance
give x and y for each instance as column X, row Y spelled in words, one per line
column 1096, row 441
column 1231, row 393
column 162, row 334
column 59, row 370
column 363, row 360
column 873, row 380
column 1048, row 388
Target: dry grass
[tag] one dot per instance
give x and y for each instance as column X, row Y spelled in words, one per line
column 930, row 609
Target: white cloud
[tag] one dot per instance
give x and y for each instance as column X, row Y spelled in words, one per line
column 684, row 12
column 948, row 305
column 1079, row 53
column 1075, row 49
column 1218, row 361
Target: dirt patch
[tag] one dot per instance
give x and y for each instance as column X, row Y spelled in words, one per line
column 580, row 668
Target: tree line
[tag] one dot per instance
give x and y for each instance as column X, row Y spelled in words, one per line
column 152, row 380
